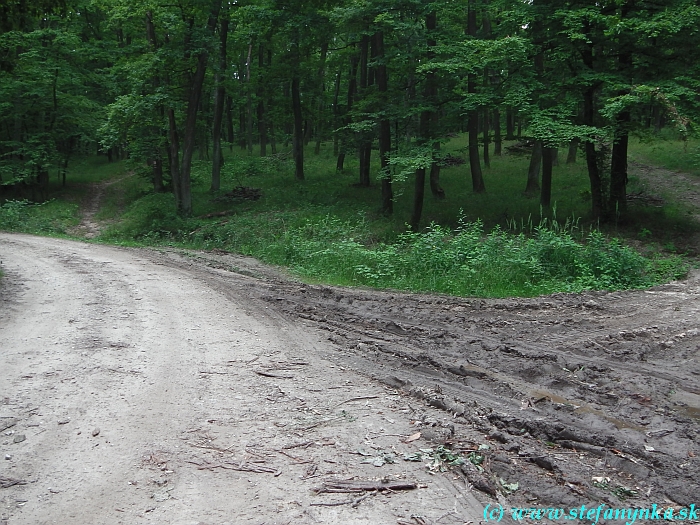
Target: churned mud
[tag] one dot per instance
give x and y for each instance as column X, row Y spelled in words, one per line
column 565, row 389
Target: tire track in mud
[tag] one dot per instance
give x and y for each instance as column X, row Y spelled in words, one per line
column 564, row 388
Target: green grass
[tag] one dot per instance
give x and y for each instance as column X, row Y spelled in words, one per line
column 53, row 217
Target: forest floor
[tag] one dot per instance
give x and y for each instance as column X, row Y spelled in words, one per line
column 182, row 387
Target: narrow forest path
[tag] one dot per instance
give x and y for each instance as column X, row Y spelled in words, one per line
column 667, row 186
column 89, row 227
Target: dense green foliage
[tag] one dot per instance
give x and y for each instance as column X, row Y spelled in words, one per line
column 417, row 100
column 50, row 217
column 463, row 262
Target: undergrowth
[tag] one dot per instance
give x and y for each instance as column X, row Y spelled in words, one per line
column 466, row 261
column 51, row 217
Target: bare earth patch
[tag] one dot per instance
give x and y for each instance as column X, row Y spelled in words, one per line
column 89, row 227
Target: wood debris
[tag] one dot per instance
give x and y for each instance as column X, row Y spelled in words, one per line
column 298, row 460
column 361, row 398
column 10, row 482
column 270, row 374
column 7, row 423
column 354, row 502
column 333, row 486
column 242, row 467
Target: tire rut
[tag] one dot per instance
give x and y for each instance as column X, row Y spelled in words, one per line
column 602, row 373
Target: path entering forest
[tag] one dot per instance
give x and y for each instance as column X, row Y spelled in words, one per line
column 675, row 186
column 89, row 227
column 183, row 387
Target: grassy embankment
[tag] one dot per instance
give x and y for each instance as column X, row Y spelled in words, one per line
column 326, row 229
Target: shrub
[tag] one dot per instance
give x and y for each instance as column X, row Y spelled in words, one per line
column 152, row 217
column 51, row 217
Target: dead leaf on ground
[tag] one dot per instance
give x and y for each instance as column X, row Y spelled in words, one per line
column 412, row 438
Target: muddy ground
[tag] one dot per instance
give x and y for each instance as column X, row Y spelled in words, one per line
column 191, row 388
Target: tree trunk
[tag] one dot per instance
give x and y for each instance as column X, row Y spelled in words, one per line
column 157, row 174
column 174, row 156
column 229, row 122
column 352, row 87
column 487, row 138
column 426, row 117
column 336, row 113
column 418, row 197
column 592, row 159
column 658, row 119
column 308, row 129
column 262, row 126
column 533, row 171
column 241, row 127
column 497, row 140
column 321, row 103
column 195, row 96
column 219, row 99
column 42, row 179
column 435, row 188
column 546, row 194
column 298, row 141
column 384, row 128
column 594, row 173
column 365, row 144
column 510, row 124
column 478, row 185
column 573, row 150
column 273, row 140
column 618, row 166
column 249, row 104
column 158, row 161
column 474, row 161
column 555, row 156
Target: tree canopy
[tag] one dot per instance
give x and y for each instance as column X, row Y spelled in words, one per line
column 156, row 82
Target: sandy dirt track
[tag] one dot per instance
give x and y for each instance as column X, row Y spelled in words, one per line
column 225, row 393
column 166, row 361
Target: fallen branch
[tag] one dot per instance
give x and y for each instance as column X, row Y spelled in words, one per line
column 8, row 423
column 355, row 399
column 332, row 504
column 298, row 460
column 304, row 444
column 364, row 486
column 354, row 502
column 10, row 482
column 268, row 374
column 241, row 467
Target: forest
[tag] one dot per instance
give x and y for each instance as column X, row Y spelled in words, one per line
column 414, row 103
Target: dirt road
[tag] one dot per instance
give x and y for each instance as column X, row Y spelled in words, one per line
column 158, row 387
column 144, row 389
